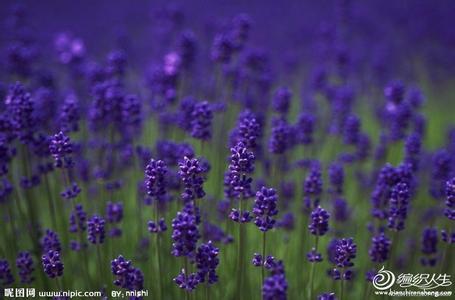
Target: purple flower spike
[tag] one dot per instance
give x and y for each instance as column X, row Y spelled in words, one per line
column 247, row 132
column 237, row 179
column 281, row 137
column 305, row 128
column 206, row 262
column 69, row 114
column 399, row 202
column 265, row 207
column 240, row 216
column 156, row 228
column 185, row 282
column 429, row 247
column 25, row 265
column 257, row 260
column 191, row 174
column 51, row 241
column 95, row 229
column 184, row 234
column 327, row 296
column 380, row 248
column 336, row 178
column 114, row 212
column 155, row 173
column 78, row 219
column 53, row 266
column 71, row 192
column 345, row 251
column 275, row 287
column 61, row 149
column 282, row 100
column 312, row 187
column 352, row 130
column 314, row 256
column 201, row 122
column 6, row 276
column 319, row 223
column 449, row 211
column 126, row 276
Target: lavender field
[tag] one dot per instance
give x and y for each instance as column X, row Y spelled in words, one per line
column 227, row 149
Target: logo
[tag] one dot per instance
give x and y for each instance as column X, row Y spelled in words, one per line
column 384, row 279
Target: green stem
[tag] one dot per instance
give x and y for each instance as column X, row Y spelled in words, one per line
column 263, row 257
column 342, row 289
column 240, row 278
column 313, row 267
column 100, row 265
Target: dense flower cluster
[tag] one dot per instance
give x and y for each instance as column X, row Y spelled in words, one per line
column 191, row 175
column 95, row 229
column 265, row 208
column 52, row 264
column 24, row 263
column 319, row 223
column 126, row 275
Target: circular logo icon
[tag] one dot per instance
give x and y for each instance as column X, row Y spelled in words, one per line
column 384, row 279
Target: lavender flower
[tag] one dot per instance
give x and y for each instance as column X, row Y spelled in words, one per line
column 345, row 251
column 191, row 174
column 429, row 246
column 442, row 165
column 336, row 178
column 20, row 109
column 95, row 229
column 69, row 115
column 156, row 228
column 341, row 211
column 305, row 128
column 222, row 49
column 281, row 137
column 6, row 276
column 238, row 181
column 184, row 234
column 78, row 218
column 215, row 233
column 380, row 248
column 25, row 265
column 126, row 276
column 327, row 296
column 257, row 260
column 61, row 149
column 275, row 287
column 71, row 192
column 314, row 256
column 240, row 216
column 50, row 241
column 413, row 146
column 114, row 212
column 319, row 223
column 449, row 211
column 201, row 122
column 206, row 262
column 185, row 282
column 281, row 100
column 399, row 202
column 248, row 131
column 155, row 173
column 352, row 130
column 312, row 187
column 53, row 266
column 265, row 207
